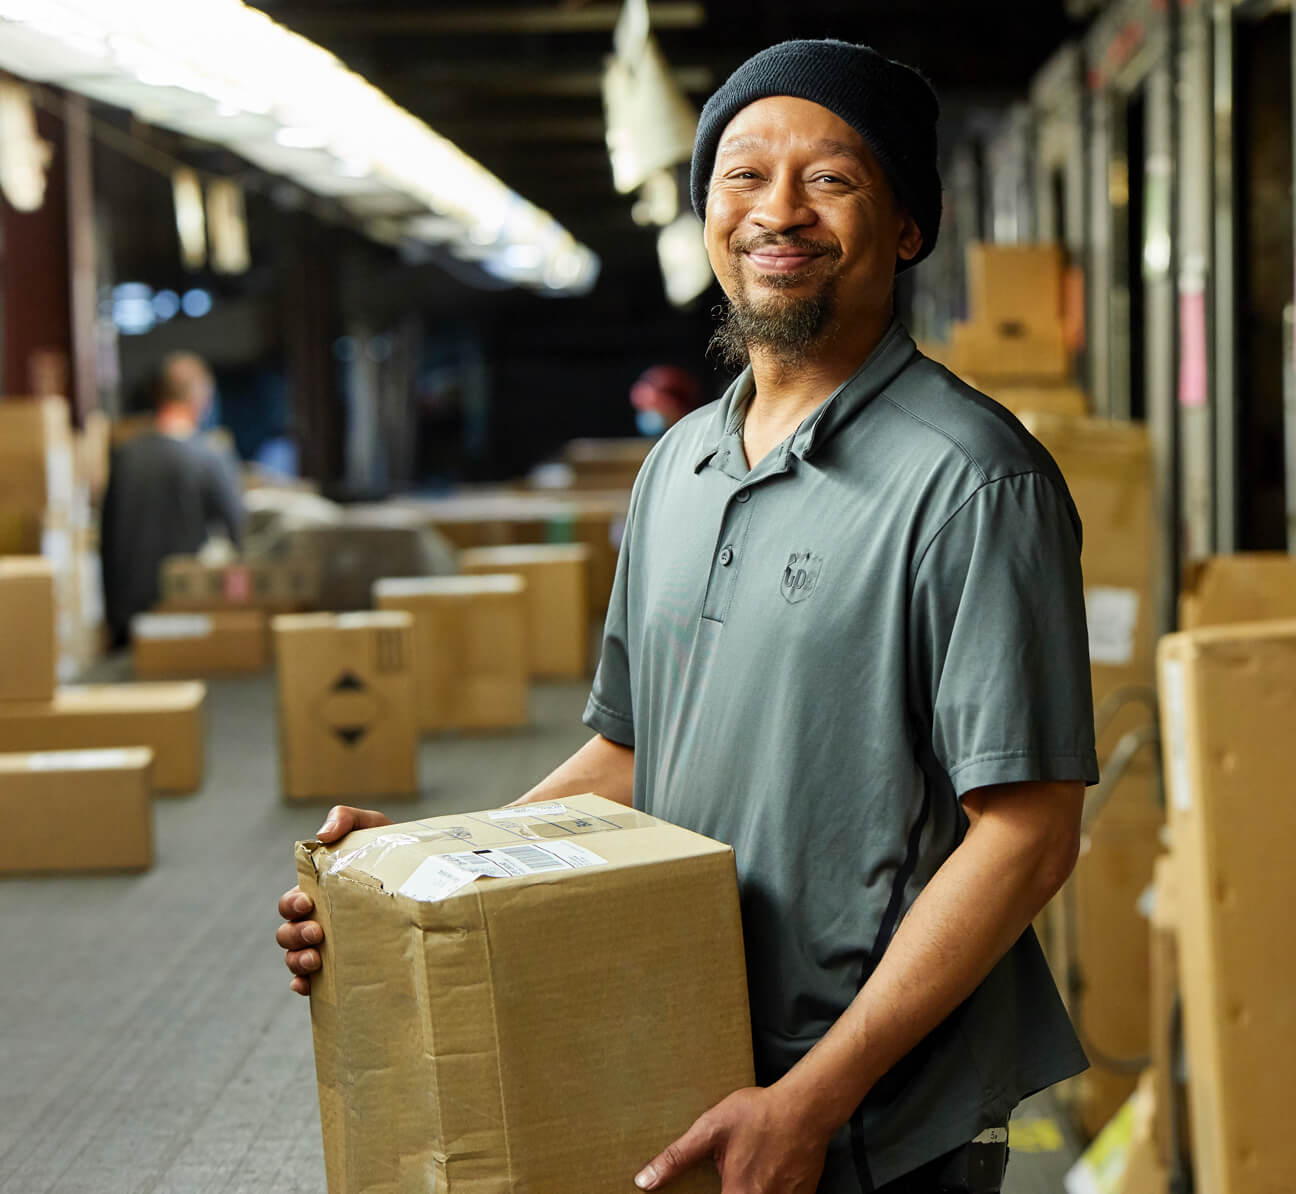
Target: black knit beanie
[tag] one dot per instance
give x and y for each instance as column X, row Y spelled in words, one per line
column 889, row 104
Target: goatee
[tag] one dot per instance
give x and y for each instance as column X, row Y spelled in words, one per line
column 785, row 327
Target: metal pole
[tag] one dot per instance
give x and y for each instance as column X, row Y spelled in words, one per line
column 1224, row 275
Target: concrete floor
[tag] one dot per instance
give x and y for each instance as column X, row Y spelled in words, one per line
column 148, row 1040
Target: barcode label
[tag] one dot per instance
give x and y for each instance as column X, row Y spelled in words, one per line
column 530, row 859
column 527, row 810
column 442, row 875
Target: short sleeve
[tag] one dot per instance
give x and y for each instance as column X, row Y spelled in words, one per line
column 610, row 708
column 998, row 642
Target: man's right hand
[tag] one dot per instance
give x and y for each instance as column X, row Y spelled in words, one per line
column 300, row 936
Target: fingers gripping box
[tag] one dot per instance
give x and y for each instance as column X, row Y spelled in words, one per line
column 537, row 998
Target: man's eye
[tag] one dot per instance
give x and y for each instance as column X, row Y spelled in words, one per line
column 829, row 178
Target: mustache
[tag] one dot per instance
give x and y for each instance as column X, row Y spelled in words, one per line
column 770, row 240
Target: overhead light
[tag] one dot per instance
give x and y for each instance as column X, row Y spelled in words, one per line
column 301, row 137
column 182, row 65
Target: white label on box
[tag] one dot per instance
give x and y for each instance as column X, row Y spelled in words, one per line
column 1172, row 675
column 527, row 810
column 1112, row 615
column 167, row 626
column 442, row 875
column 78, row 760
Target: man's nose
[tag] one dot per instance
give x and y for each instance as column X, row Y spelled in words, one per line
column 783, row 205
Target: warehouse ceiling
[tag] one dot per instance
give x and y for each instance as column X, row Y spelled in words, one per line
column 517, row 83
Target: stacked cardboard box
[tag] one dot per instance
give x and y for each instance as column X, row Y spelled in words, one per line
column 1249, row 587
column 550, row 994
column 29, row 652
column 45, row 508
column 1097, row 938
column 557, row 595
column 1015, row 327
column 1228, row 704
column 272, row 586
column 35, row 715
column 470, row 648
column 76, row 810
column 347, row 724
column 167, row 718
column 200, row 644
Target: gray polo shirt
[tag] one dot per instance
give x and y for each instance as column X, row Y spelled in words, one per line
column 814, row 660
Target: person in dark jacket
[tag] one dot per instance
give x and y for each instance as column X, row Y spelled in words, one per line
column 166, row 491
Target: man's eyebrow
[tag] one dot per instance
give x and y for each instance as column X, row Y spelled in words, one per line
column 825, row 148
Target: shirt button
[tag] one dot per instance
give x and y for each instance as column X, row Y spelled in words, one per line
column 743, row 495
column 726, row 556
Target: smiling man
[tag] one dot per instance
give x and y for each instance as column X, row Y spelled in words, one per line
column 847, row 636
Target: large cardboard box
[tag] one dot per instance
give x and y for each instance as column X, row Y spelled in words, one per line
column 76, row 810
column 167, row 718
column 991, row 353
column 27, row 646
column 36, row 457
column 1099, row 941
column 1248, row 587
column 1228, row 705
column 347, row 723
column 1164, row 1022
column 214, row 643
column 283, row 585
column 537, row 998
column 558, row 611
column 1019, row 284
column 470, row 648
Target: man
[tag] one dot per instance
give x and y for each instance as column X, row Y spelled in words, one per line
column 847, row 636
column 166, row 490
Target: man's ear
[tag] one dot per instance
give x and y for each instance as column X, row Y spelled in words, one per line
column 911, row 239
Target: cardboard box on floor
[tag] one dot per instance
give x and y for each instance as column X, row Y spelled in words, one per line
column 549, row 995
column 36, row 457
column 347, row 724
column 1248, row 587
column 1228, row 705
column 28, row 654
column 557, row 594
column 76, row 810
column 470, row 648
column 167, row 718
column 214, row 643
column 606, row 463
column 1097, row 936
column 287, row 585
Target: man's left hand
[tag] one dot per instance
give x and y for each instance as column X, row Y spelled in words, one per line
column 760, row 1143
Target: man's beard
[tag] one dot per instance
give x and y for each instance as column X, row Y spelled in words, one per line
column 785, row 327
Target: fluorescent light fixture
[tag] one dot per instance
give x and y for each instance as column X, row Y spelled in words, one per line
column 292, row 136
column 187, row 65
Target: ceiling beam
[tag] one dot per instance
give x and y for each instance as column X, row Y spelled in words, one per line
column 466, row 131
column 515, row 79
column 363, row 21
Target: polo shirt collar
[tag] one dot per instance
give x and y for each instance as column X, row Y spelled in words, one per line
column 893, row 353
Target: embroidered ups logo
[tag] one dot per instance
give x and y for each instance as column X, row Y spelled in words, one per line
column 800, row 576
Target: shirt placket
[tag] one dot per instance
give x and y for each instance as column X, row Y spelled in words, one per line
column 728, row 555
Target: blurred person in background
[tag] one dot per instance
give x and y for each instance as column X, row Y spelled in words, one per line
column 662, row 396
column 847, row 636
column 167, row 491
